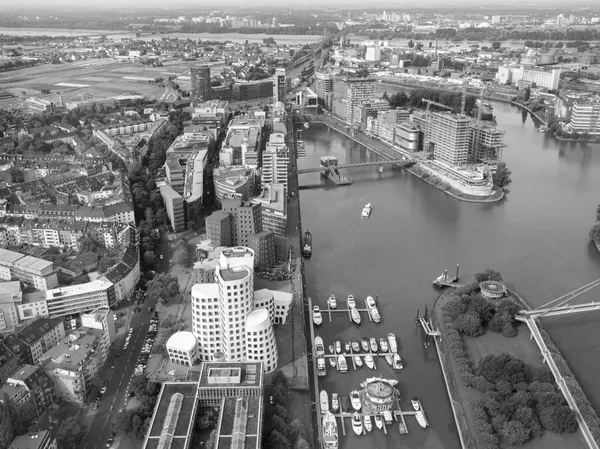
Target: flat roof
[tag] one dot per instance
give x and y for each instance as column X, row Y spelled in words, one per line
column 77, row 352
column 88, row 287
column 234, row 274
column 251, row 373
column 10, row 288
column 237, row 251
column 252, row 406
column 8, row 257
column 167, row 191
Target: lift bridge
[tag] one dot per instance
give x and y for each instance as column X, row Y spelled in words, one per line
column 331, row 169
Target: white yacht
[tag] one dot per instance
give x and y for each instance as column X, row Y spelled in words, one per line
column 332, row 361
column 373, row 344
column 370, row 302
column 383, row 344
column 355, row 400
column 317, row 317
column 369, row 361
column 355, row 314
column 321, row 371
column 368, row 423
column 389, row 359
column 350, row 301
column 358, row 361
column 319, row 348
column 375, row 315
column 355, row 346
column 338, row 346
column 330, row 435
column 416, row 404
column 379, row 421
column 347, row 347
column 332, row 302
column 397, row 362
column 392, row 342
column 366, row 212
column 357, row 424
column 364, row 343
column 421, row 418
column 324, row 400
column 342, row 364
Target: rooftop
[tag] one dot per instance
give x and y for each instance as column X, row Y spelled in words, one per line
column 237, row 251
column 10, row 289
column 79, row 289
column 256, row 317
column 273, row 197
column 38, row 329
column 183, row 341
column 234, row 274
column 250, row 374
column 167, row 191
column 71, row 356
column 235, row 410
column 35, row 440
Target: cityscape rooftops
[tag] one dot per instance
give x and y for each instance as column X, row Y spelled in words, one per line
column 24, row 373
column 183, row 340
column 10, row 291
column 37, row 330
column 35, row 440
column 256, row 317
column 72, row 355
column 229, row 431
column 273, row 197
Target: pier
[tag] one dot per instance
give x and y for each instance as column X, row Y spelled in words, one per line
column 447, row 280
column 367, row 309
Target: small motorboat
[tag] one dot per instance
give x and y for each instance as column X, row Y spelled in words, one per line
column 332, row 361
column 324, row 400
column 368, row 423
column 319, row 349
column 397, row 362
column 350, row 301
column 358, row 361
column 331, row 349
column 355, row 314
column 379, row 421
column 338, row 346
column 335, row 402
column 375, row 315
column 355, row 346
column 357, row 424
column 317, row 317
column 370, row 302
column 369, row 361
column 421, row 419
column 355, row 400
column 347, row 346
column 402, row 428
column 342, row 364
column 321, row 371
column 332, row 302
column 345, row 403
column 364, row 343
column 416, row 404
column 389, row 359
column 383, row 344
column 392, row 342
column 366, row 212
column 373, row 344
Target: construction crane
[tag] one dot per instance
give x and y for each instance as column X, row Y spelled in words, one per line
column 430, row 102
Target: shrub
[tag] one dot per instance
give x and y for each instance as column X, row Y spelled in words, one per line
column 515, row 433
column 498, row 321
column 483, row 307
column 509, row 330
column 467, row 378
column 457, row 347
column 488, row 441
column 508, row 306
column 501, row 367
column 483, row 427
column 469, row 323
column 480, row 383
column 488, row 275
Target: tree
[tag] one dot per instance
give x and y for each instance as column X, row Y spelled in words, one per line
column 278, row 424
column 164, row 288
column 502, row 176
column 181, row 256
column 149, row 259
column 488, row 275
column 595, row 234
column 279, row 378
column 206, row 421
column 69, row 434
column 496, row 45
column 138, row 385
column 276, row 440
column 598, row 212
column 7, row 433
column 301, row 444
column 104, row 264
column 278, row 395
column 411, row 44
column 527, row 94
column 515, row 433
column 469, row 323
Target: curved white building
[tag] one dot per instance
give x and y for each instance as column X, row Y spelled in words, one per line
column 260, row 340
column 206, row 319
column 236, row 301
column 182, row 348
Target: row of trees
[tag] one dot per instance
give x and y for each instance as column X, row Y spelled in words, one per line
column 181, row 252
column 135, row 421
column 163, row 288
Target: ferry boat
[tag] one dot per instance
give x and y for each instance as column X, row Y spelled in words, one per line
column 392, row 342
column 355, row 346
column 324, row 400
column 375, row 315
column 342, row 364
column 366, row 212
column 355, row 314
column 319, row 348
column 369, row 361
column 330, row 435
column 357, row 424
column 335, row 402
column 358, row 361
column 383, row 344
column 347, row 346
column 373, row 344
column 338, row 346
column 332, row 302
column 317, row 317
column 379, row 421
column 402, row 428
column 307, row 247
column 364, row 343
column 397, row 362
column 368, row 423
column 421, row 418
column 370, row 302
column 345, row 403
column 355, row 400
column 321, row 371
column 416, row 404
column 350, row 301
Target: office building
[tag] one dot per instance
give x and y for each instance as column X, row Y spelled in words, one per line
column 10, row 299
column 273, row 205
column 246, row 219
column 252, row 90
column 370, row 108
column 486, row 143
column 263, row 245
column 182, row 348
column 359, row 90
column 450, row 134
column 275, row 160
column 373, row 53
column 206, row 319
column 260, row 340
column 218, row 228
column 279, row 86
column 38, row 273
column 407, row 136
column 200, row 78
column 81, row 298
column 36, row 440
column 233, row 180
column 585, row 116
column 103, row 320
column 324, row 88
column 174, row 205
column 242, row 143
column 277, row 303
column 28, row 388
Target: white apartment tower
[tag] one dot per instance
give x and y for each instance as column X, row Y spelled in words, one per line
column 450, row 135
column 260, row 340
column 276, row 157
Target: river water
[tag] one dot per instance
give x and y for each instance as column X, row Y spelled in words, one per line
column 537, row 238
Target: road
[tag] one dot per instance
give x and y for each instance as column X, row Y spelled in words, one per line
column 113, row 399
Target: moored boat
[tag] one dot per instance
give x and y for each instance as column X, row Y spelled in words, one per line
column 307, row 247
column 370, row 302
column 355, row 400
column 379, row 421
column 416, row 404
column 317, row 317
column 397, row 362
column 324, row 400
column 355, row 314
column 335, row 402
column 319, row 349
column 338, row 346
column 347, row 346
column 421, row 419
column 364, row 343
column 345, row 402
column 350, row 301
column 357, row 424
column 373, row 344
column 389, row 359
column 392, row 342
column 332, row 361
column 355, row 346
column 330, row 435
column 342, row 364
column 402, row 428
column 368, row 423
column 332, row 302
column 331, row 349
column 369, row 361
column 321, row 371
column 375, row 315
column 383, row 344
column 358, row 361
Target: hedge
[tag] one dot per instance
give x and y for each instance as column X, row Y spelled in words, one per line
column 457, row 348
column 485, row 432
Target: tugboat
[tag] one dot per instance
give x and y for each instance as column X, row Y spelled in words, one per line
column 355, row 400
column 364, row 343
column 357, row 424
column 307, row 247
column 324, row 400
column 330, row 435
column 317, row 317
column 335, row 402
column 368, row 423
column 332, row 302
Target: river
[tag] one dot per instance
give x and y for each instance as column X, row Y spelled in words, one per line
column 537, row 238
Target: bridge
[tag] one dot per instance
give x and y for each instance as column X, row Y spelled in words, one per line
column 302, row 171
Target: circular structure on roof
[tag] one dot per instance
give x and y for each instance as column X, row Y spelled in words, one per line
column 219, row 357
column 182, row 341
column 492, row 289
column 279, row 105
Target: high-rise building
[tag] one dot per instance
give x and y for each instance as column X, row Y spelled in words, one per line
column 246, row 219
column 218, row 228
column 279, row 86
column 324, row 88
column 450, row 136
column 585, row 116
column 174, row 204
column 276, row 157
column 359, row 91
column 263, row 245
column 200, row 76
column 260, row 339
column 273, row 201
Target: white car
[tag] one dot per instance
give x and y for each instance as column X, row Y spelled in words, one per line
column 103, row 390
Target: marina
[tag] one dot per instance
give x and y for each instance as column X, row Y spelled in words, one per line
column 354, row 312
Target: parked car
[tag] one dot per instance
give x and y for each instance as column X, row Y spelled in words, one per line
column 103, row 390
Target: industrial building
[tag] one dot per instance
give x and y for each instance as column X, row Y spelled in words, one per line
column 548, row 79
column 252, row 90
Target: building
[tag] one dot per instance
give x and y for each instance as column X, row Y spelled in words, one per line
column 359, row 90
column 407, row 136
column 273, row 202
column 373, row 53
column 279, row 86
column 260, row 340
column 218, row 228
column 263, row 245
column 9, row 362
column 233, row 180
column 486, row 143
column 36, row 440
column 275, row 159
column 449, row 134
column 242, row 143
column 252, row 90
column 33, row 305
column 81, row 298
column 367, row 109
column 38, row 273
column 276, row 302
column 174, row 205
column 246, row 219
column 10, row 298
column 28, row 387
column 585, row 116
column 182, row 348
column 200, row 78
column 103, row 320
column 41, row 335
column 206, row 112
column 206, row 319
column 324, row 88
column 548, row 79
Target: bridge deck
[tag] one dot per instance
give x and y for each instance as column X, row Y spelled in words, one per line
column 358, row 164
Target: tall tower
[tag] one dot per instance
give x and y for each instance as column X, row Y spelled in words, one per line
column 279, row 86
column 200, row 76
